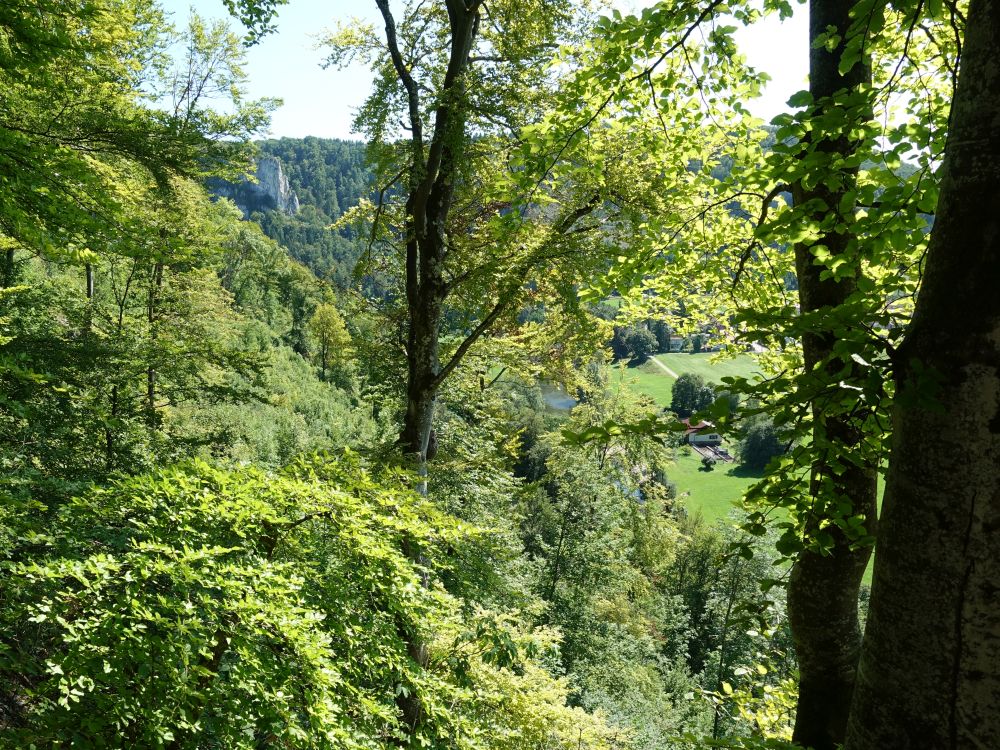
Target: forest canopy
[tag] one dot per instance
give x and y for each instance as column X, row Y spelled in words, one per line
column 573, row 407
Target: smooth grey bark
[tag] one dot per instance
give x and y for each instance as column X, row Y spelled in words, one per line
column 930, row 669
column 823, row 588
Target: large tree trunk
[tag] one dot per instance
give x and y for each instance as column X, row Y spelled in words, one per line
column 823, row 588
column 930, row 668
column 429, row 202
column 432, row 170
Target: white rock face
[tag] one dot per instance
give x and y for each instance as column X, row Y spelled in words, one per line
column 273, row 183
column 270, row 192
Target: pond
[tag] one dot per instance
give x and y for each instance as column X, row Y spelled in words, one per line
column 556, row 397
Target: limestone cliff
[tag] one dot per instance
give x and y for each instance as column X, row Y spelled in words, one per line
column 270, row 192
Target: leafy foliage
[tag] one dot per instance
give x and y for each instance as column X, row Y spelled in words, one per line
column 539, row 182
column 760, row 441
column 79, row 123
column 199, row 606
column 691, row 394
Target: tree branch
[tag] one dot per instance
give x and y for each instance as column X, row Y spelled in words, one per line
column 644, row 73
column 412, row 91
column 472, row 338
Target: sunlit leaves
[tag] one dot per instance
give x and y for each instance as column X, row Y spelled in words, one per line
column 80, row 120
column 200, row 606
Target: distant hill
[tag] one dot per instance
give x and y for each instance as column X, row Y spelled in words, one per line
column 326, row 173
column 315, row 181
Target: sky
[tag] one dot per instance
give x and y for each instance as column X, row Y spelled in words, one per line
column 287, row 64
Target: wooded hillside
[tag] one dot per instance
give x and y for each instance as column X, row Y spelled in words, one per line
column 393, row 469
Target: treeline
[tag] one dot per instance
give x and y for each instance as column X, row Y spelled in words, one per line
column 329, row 177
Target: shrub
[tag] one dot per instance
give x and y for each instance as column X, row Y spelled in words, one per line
column 200, row 607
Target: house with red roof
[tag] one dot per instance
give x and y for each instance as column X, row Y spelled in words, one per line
column 702, row 433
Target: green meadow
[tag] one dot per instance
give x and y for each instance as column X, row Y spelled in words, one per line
column 654, row 381
column 713, row 494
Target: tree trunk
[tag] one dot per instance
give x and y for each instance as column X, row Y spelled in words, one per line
column 109, row 435
column 823, row 588
column 432, row 185
column 423, row 369
column 429, row 200
column 151, row 313
column 930, row 669
column 9, row 269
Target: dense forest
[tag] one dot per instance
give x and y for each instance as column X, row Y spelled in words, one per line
column 433, row 457
column 329, row 177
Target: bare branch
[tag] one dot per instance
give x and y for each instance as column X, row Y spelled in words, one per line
column 405, row 77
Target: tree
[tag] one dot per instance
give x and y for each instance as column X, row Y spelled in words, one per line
column 332, row 339
column 444, row 70
column 823, row 586
column 663, row 333
column 845, row 175
column 98, row 66
column 690, row 393
column 926, row 677
column 619, row 347
column 759, row 443
column 640, row 342
column 258, row 584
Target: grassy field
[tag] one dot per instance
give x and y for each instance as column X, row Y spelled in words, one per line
column 711, row 493
column 653, row 381
column 714, row 493
column 649, row 380
column 701, row 364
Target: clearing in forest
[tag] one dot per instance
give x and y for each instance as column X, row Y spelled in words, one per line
column 656, row 378
column 712, row 493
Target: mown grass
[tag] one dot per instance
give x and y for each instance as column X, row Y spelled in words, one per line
column 652, row 381
column 647, row 379
column 742, row 365
column 713, row 494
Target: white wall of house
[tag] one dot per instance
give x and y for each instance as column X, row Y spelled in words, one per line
column 710, row 438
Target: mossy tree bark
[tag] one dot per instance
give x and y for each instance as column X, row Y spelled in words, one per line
column 928, row 676
column 434, row 158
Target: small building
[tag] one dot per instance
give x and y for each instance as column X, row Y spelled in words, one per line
column 701, row 433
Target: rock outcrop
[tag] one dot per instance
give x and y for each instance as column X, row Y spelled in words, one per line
column 270, row 192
